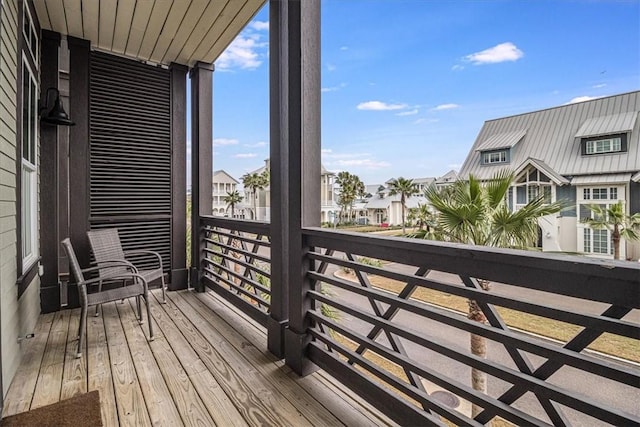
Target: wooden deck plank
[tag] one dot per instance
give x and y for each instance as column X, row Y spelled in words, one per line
column 99, row 368
column 24, row 382
column 339, row 400
column 50, row 378
column 74, row 373
column 129, row 399
column 175, row 353
column 256, row 401
column 158, row 397
column 264, row 362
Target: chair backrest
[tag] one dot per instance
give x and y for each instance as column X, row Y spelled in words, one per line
column 73, row 261
column 106, row 246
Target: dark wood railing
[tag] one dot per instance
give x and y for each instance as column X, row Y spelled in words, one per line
column 237, row 263
column 376, row 330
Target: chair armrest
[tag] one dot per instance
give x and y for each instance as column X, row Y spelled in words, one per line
column 145, row 252
column 134, row 276
column 111, row 263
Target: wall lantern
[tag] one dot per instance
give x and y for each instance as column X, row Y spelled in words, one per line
column 56, row 115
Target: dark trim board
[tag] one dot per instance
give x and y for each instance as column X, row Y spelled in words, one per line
column 27, row 277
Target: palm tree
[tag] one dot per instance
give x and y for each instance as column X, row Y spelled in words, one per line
column 254, row 182
column 350, row 188
column 405, row 188
column 425, row 220
column 614, row 219
column 232, row 199
column 478, row 214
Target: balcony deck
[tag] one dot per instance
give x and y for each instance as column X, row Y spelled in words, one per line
column 207, row 365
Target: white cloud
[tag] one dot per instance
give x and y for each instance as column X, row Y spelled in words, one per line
column 326, row 151
column 225, row 141
column 499, row 53
column 344, row 47
column 334, row 88
column 257, row 144
column 245, row 155
column 445, row 107
column 260, row 25
column 457, row 67
column 598, row 86
column 581, row 99
column 425, row 120
column 380, row 106
column 364, row 163
column 331, row 67
column 247, row 51
column 408, row 113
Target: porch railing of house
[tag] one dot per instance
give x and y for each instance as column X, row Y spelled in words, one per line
column 237, row 263
column 395, row 349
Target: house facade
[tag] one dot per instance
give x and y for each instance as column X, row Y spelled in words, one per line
column 223, row 184
column 584, row 153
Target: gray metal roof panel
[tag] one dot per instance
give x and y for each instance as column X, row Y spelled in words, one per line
column 611, row 178
column 606, row 125
column 551, row 138
column 502, row 140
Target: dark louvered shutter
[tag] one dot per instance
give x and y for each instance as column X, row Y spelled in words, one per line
column 130, row 148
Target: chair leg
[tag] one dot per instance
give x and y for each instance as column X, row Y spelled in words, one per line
column 146, row 301
column 139, row 306
column 164, row 296
column 81, row 330
column 98, row 305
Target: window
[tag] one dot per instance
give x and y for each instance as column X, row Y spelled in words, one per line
column 587, row 239
column 494, row 157
column 599, row 194
column 604, row 144
column 597, row 241
column 30, row 35
column 586, row 194
column 29, row 202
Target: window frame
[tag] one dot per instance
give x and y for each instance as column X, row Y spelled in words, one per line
column 503, row 157
column 589, row 145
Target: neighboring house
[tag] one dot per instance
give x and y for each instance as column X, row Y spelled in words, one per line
column 222, row 184
column 328, row 203
column 583, row 153
column 389, row 209
column 446, row 179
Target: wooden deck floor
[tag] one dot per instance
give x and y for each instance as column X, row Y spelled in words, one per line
column 208, row 365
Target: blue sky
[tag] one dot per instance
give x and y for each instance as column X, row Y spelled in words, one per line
column 407, row 84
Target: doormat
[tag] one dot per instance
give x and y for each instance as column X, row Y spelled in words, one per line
column 82, row 410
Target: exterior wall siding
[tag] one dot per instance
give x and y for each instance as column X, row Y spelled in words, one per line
column 18, row 317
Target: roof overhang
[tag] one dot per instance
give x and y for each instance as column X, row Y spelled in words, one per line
column 161, row 32
column 544, row 168
column 611, row 178
column 636, row 177
column 607, row 125
column 501, row 141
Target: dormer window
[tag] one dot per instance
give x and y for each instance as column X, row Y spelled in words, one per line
column 604, row 145
column 494, row 157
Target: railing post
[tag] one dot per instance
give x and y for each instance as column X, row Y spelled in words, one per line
column 299, row 142
column 201, row 76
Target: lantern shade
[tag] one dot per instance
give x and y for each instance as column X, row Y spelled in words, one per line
column 56, row 115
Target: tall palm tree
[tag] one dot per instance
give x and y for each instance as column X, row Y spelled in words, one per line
column 232, row 199
column 478, row 214
column 254, row 182
column 350, row 188
column 405, row 188
column 614, row 219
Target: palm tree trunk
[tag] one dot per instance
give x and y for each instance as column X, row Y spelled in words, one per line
column 478, row 346
column 615, row 237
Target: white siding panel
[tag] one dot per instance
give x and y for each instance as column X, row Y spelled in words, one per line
column 73, row 14
column 57, row 18
column 156, row 23
column 18, row 317
column 138, row 27
column 176, row 15
column 124, row 16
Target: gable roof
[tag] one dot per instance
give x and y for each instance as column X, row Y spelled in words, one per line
column 223, row 177
column 542, row 167
column 551, row 138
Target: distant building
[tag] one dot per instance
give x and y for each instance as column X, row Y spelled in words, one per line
column 585, row 153
column 222, row 184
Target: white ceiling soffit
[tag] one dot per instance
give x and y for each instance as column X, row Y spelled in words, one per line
column 502, row 140
column 606, row 125
column 159, row 31
column 613, row 178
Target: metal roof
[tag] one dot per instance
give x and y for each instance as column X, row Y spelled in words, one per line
column 612, row 178
column 162, row 32
column 502, row 140
column 606, row 125
column 551, row 138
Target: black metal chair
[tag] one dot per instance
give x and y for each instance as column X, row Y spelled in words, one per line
column 133, row 285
